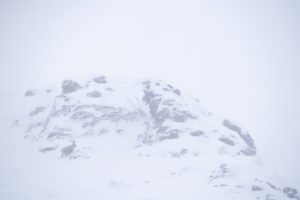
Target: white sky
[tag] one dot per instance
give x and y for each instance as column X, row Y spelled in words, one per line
column 240, row 58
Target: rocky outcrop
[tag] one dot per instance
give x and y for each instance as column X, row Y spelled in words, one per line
column 251, row 149
column 69, row 86
column 291, row 193
column 154, row 119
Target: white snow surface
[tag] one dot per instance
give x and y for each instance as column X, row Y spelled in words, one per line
column 137, row 140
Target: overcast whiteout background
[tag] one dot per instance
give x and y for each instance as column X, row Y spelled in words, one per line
column 240, row 58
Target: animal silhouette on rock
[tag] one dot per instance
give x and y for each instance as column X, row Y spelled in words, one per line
column 67, row 150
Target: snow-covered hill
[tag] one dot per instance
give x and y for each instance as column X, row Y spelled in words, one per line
column 108, row 139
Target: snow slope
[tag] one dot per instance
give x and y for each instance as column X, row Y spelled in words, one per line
column 101, row 138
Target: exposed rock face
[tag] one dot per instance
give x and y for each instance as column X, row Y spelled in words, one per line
column 251, row 150
column 69, row 86
column 291, row 193
column 158, row 121
column 163, row 116
column 163, row 110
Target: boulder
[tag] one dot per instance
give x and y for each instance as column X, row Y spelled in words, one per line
column 94, row 94
column 69, row 86
column 29, row 93
column 100, row 80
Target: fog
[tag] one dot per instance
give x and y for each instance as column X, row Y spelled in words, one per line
column 239, row 58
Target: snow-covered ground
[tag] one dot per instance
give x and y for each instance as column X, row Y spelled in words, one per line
column 100, row 138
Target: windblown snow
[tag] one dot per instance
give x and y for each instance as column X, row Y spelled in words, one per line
column 110, row 139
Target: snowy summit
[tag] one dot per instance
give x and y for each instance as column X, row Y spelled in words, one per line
column 140, row 140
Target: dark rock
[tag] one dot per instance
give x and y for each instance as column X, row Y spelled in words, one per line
column 33, row 126
column 47, row 149
column 232, row 126
column 162, row 129
column 251, row 150
column 82, row 115
column 153, row 105
column 223, row 185
column 148, row 96
column 169, row 102
column 37, row 111
column 65, row 110
column 162, row 109
column 221, row 173
column 109, row 89
column 170, row 86
column 291, row 193
column 273, row 186
column 70, row 86
column 224, row 169
column 94, row 94
column 29, row 93
column 183, row 151
column 161, row 116
column 256, row 188
column 227, row 141
column 100, row 80
column 175, row 155
column 172, row 134
column 57, row 135
column 176, row 91
column 182, row 116
column 197, row 133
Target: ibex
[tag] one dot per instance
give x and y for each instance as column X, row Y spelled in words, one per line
column 66, row 151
